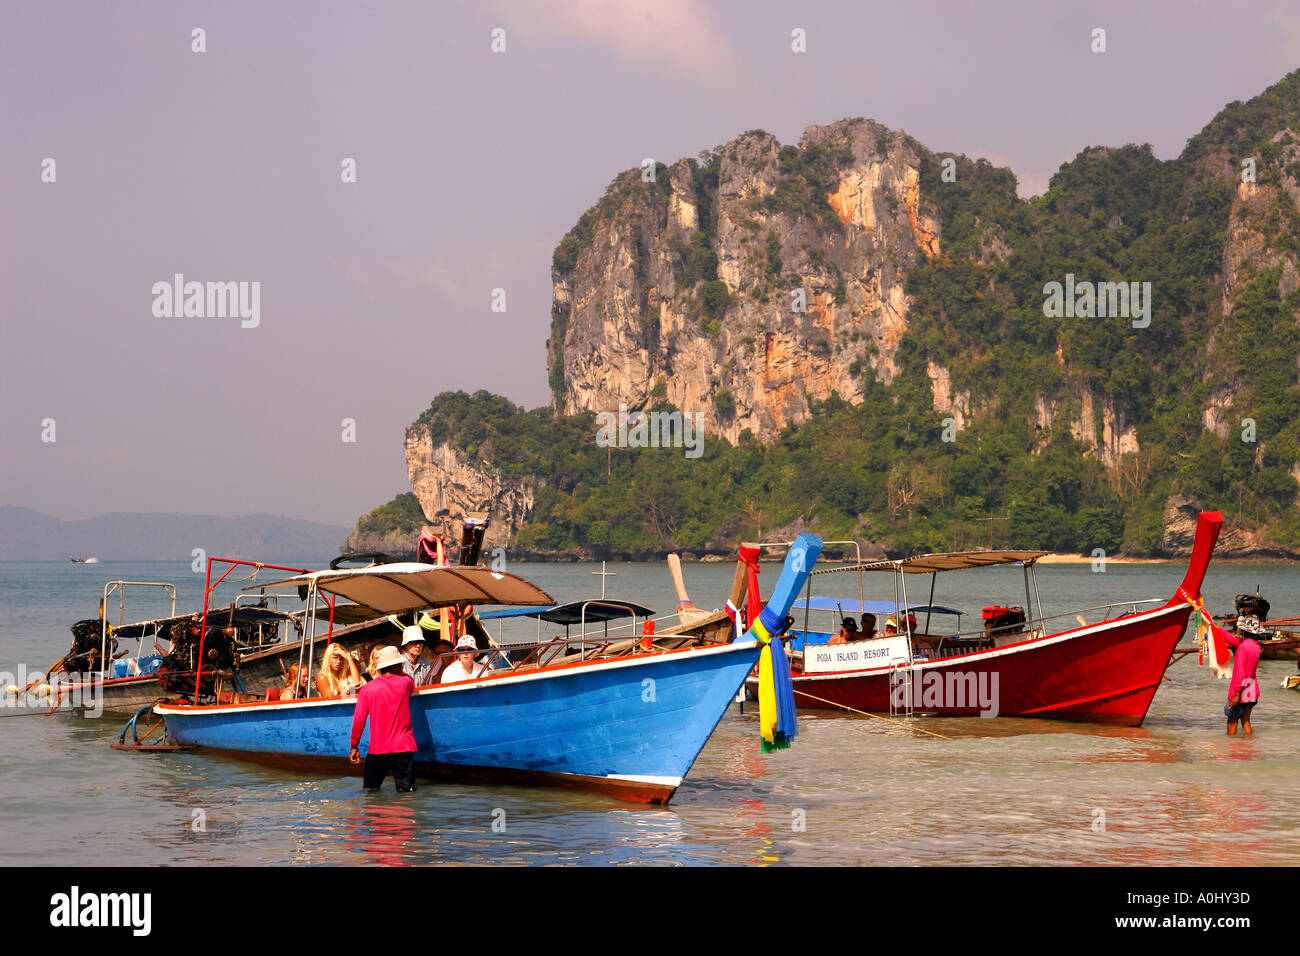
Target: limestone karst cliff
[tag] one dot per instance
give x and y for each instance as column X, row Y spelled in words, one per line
column 773, row 275
column 878, row 332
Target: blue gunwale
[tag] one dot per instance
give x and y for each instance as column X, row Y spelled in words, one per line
column 490, row 678
column 583, row 725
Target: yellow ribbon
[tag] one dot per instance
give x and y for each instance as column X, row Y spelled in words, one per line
column 766, row 684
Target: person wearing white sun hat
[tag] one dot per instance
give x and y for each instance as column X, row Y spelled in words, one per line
column 464, row 667
column 417, row 668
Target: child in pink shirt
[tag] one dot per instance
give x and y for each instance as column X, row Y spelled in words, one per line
column 1243, row 692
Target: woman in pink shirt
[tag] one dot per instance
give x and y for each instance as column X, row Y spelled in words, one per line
column 386, row 701
column 1243, row 692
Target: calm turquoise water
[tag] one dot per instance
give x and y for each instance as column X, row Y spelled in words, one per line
column 852, row 790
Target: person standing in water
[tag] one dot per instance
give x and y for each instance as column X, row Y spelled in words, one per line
column 1243, row 692
column 386, row 701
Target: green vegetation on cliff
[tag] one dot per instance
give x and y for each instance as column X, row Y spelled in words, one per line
column 402, row 515
column 878, row 470
column 1208, row 387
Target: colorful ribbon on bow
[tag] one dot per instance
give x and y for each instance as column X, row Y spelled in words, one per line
column 1213, row 639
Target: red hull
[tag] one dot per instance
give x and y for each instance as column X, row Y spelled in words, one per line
column 1105, row 673
column 1101, row 673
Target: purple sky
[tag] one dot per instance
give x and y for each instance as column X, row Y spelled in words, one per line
column 375, row 296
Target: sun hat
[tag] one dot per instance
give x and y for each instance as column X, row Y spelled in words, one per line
column 467, row 643
column 1249, row 624
column 891, row 623
column 412, row 634
column 388, row 656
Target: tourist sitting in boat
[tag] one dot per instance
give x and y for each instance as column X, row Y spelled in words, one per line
column 339, row 675
column 296, row 683
column 370, row 657
column 464, row 667
column 925, row 646
column 848, row 632
column 868, row 631
column 417, row 668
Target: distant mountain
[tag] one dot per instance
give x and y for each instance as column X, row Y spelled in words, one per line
column 30, row 535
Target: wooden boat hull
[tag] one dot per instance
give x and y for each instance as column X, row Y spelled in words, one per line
column 1104, row 673
column 628, row 727
column 1280, row 648
column 121, row 696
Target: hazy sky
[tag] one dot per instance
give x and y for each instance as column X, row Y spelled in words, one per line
column 226, row 165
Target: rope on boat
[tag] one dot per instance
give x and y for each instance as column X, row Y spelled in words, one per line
column 252, row 575
column 48, row 671
column 890, row 720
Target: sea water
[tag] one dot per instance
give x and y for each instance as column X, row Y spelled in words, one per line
column 852, row 789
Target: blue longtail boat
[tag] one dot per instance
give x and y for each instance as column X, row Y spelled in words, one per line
column 629, row 724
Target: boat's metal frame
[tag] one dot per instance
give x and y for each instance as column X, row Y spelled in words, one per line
column 119, row 587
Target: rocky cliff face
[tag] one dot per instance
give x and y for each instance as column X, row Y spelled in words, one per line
column 760, row 279
column 445, row 479
column 1261, row 236
column 1179, row 533
column 771, row 279
column 743, row 289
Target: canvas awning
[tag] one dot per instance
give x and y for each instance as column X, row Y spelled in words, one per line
column 856, row 607
column 348, row 614
column 408, row 586
column 952, row 561
column 593, row 611
column 244, row 614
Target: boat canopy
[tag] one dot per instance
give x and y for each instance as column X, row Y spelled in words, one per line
column 244, row 614
column 409, row 586
column 347, row 614
column 854, row 606
column 513, row 612
column 951, row 561
column 593, row 611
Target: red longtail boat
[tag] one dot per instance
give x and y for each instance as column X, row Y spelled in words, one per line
column 1104, row 672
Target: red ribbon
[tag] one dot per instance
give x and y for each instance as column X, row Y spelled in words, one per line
column 753, row 602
